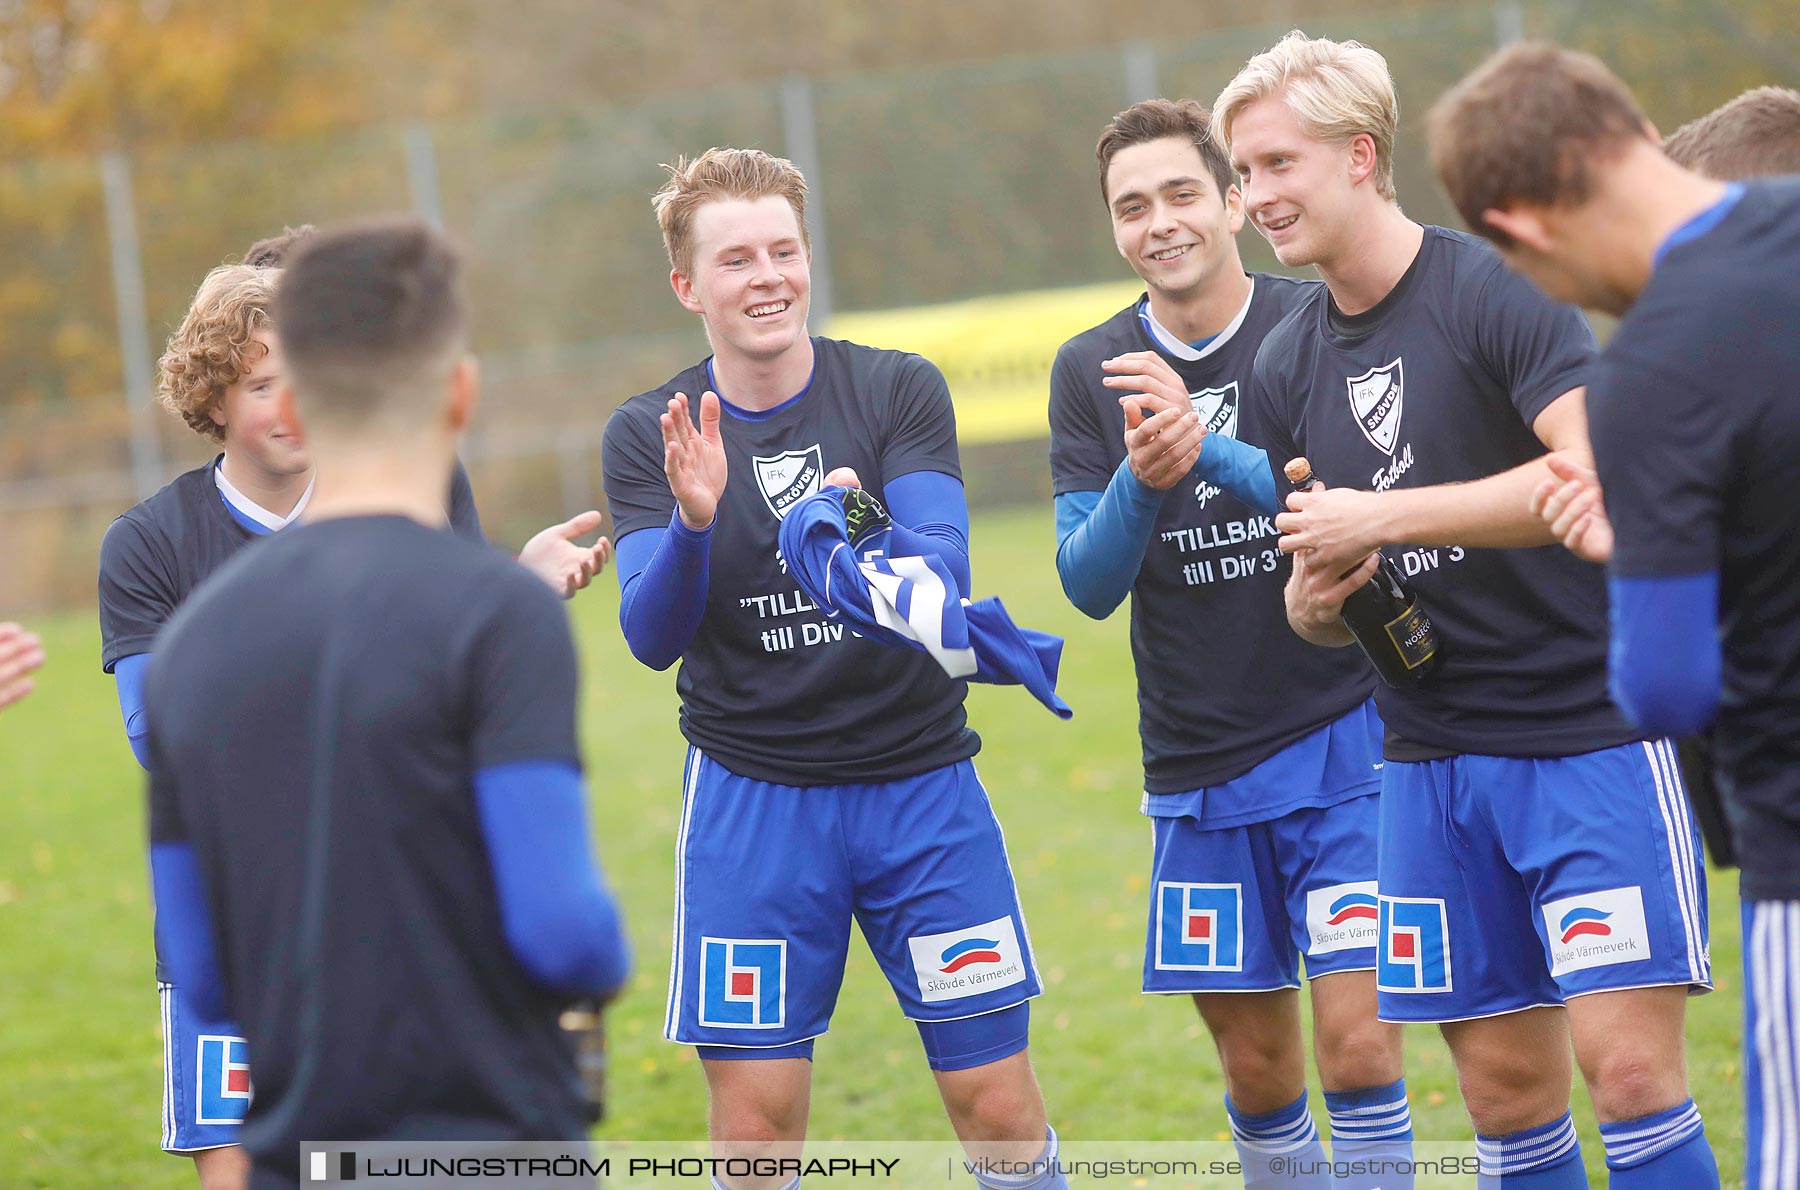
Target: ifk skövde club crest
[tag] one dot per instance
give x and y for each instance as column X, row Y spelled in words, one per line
column 1218, row 409
column 789, row 477
column 1376, row 398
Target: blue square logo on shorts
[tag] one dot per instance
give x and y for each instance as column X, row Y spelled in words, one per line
column 224, row 1080
column 1414, row 950
column 1199, row 927
column 743, row 983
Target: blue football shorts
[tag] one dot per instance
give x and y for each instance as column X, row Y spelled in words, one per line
column 206, row 1077
column 768, row 878
column 1511, row 883
column 1233, row 909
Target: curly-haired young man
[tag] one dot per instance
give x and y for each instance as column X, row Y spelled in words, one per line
column 221, row 374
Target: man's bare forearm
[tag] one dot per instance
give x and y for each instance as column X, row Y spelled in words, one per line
column 1491, row 513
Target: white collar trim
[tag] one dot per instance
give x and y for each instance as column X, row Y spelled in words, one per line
column 255, row 511
column 1171, row 343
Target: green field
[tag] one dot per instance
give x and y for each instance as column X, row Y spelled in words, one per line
column 79, row 1049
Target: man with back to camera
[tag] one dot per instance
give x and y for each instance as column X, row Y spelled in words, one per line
column 221, row 372
column 1539, row 879
column 398, row 913
column 820, row 764
column 1694, row 433
column 1261, row 753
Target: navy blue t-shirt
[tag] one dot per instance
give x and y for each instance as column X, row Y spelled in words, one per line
column 1440, row 383
column 318, row 711
column 160, row 549
column 156, row 552
column 1222, row 683
column 771, row 687
column 1695, row 420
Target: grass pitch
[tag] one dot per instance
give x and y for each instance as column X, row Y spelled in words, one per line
column 79, row 1050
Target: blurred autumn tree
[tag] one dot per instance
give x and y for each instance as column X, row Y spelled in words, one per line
column 88, row 75
column 955, row 136
column 80, row 77
column 955, row 142
column 546, row 53
column 238, row 118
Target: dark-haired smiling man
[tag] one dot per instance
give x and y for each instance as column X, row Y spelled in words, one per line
column 1261, row 753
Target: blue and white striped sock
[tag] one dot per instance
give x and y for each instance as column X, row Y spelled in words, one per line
column 1373, row 1127
column 1547, row 1157
column 1045, row 1172
column 1279, row 1148
column 1663, row 1151
column 1771, row 1044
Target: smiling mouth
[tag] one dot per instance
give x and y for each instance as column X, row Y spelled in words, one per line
column 768, row 309
column 1168, row 254
column 1281, row 224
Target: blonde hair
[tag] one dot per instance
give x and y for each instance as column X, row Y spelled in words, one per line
column 215, row 345
column 1336, row 90
column 716, row 174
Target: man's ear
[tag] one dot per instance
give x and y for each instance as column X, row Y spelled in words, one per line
column 1363, row 158
column 465, row 386
column 1234, row 203
column 684, row 291
column 1523, row 222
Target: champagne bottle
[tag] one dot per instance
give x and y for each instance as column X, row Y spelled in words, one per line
column 1384, row 615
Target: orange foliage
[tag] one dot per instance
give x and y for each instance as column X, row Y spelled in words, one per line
column 87, row 75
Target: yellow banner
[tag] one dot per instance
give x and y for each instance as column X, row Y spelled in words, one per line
column 995, row 352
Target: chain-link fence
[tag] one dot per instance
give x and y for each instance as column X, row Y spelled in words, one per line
column 930, row 185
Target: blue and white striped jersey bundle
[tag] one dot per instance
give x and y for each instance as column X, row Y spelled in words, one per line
column 913, row 602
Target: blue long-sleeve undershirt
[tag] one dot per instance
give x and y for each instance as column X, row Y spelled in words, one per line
column 184, row 928
column 663, row 573
column 128, row 676
column 1101, row 536
column 1241, row 469
column 1100, row 541
column 184, row 937
column 931, row 516
column 663, row 576
column 560, row 922
column 559, row 919
column 1665, row 666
